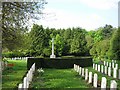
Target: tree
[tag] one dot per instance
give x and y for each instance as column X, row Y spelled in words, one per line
column 14, row 18
column 59, row 44
column 37, row 35
column 114, row 51
column 78, row 45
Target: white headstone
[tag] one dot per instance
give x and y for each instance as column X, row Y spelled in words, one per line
column 78, row 68
column 119, row 74
column 116, row 66
column 95, row 80
column 114, row 73
column 103, row 83
column 109, row 64
column 112, row 64
column 104, row 63
column 83, row 74
column 102, row 70
column 98, row 68
column 20, row 86
column 113, row 85
column 80, row 71
column 109, row 71
column 25, row 83
column 95, row 66
column 90, row 77
column 105, row 69
column 86, row 74
column 75, row 67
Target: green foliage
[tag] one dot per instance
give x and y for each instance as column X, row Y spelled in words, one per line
column 13, row 54
column 15, row 16
column 47, row 52
column 78, row 45
column 114, row 51
column 59, row 44
column 37, row 35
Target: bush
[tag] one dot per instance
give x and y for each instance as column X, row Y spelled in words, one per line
column 58, row 62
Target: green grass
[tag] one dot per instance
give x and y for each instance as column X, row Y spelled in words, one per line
column 13, row 75
column 59, row 78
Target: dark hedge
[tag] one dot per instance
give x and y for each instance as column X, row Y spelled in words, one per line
column 60, row 63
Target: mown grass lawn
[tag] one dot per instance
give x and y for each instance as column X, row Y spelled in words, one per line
column 13, row 75
column 59, row 78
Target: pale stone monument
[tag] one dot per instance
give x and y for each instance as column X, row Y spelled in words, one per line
column 114, row 73
column 113, row 85
column 52, row 56
column 103, row 83
column 90, row 77
column 109, row 71
column 83, row 72
column 95, row 80
column 80, row 71
column 86, row 74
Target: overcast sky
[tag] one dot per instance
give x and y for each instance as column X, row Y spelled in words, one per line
column 88, row 14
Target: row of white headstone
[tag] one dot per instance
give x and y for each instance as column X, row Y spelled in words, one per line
column 107, row 70
column 94, row 79
column 20, row 58
column 111, row 64
column 27, row 80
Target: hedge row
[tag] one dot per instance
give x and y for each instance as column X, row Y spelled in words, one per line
column 60, row 63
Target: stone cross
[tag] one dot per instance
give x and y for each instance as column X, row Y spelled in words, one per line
column 95, row 80
column 52, row 56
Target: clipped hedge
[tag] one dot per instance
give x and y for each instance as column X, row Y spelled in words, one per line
column 60, row 63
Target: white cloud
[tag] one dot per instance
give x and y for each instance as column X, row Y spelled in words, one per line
column 61, row 19
column 101, row 4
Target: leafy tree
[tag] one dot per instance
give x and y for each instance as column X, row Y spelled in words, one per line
column 59, row 44
column 15, row 16
column 78, row 45
column 37, row 35
column 114, row 51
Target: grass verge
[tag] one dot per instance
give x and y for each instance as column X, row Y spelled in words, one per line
column 12, row 76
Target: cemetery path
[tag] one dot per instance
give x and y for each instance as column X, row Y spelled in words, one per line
column 59, row 78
